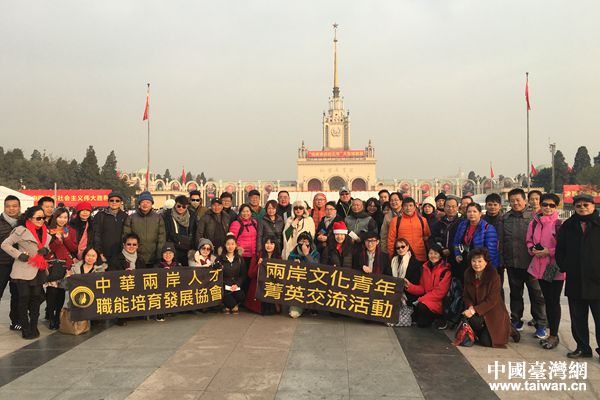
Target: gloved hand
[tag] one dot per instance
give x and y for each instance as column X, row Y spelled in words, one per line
column 23, row 257
column 43, row 251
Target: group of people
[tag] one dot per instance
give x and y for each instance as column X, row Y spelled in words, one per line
column 450, row 254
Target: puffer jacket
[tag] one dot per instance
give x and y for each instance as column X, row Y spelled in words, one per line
column 5, row 230
column 151, row 230
column 485, row 236
column 512, row 239
column 213, row 227
column 433, row 286
column 26, row 243
column 414, row 229
column 543, row 230
column 246, row 232
column 107, row 232
column 361, row 223
column 331, row 256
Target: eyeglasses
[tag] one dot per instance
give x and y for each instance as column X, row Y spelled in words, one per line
column 181, row 206
column 131, row 244
column 114, row 200
column 551, row 205
column 205, row 248
column 195, row 200
column 371, row 240
column 582, row 205
column 345, row 194
column 37, row 218
column 402, row 246
column 329, row 209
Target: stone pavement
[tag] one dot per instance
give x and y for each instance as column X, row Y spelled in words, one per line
column 246, row 356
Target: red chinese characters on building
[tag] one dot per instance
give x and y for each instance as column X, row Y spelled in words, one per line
column 70, row 198
column 337, row 154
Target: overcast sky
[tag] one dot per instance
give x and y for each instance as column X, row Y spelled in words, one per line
column 236, row 85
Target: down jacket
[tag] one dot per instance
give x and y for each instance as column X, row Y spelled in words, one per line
column 151, row 230
column 485, row 236
column 433, row 286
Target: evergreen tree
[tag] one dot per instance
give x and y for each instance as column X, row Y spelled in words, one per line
column 472, row 176
column 167, row 175
column 582, row 161
column 109, row 169
column 597, row 159
column 202, row 178
column 542, row 179
column 589, row 176
column 189, row 177
column 36, row 156
column 561, row 171
column 89, row 172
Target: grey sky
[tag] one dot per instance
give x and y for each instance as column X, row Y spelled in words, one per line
column 237, row 85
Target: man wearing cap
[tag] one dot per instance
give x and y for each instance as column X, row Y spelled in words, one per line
column 150, row 227
column 108, row 227
column 195, row 204
column 339, row 251
column 214, row 225
column 254, row 199
column 344, row 204
column 180, row 227
column 578, row 254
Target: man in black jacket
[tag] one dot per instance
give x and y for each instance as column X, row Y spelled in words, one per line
column 578, row 254
column 108, row 227
column 180, row 227
column 214, row 225
column 344, row 204
column 8, row 221
column 284, row 207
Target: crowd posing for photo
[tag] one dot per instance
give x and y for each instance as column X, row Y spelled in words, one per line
column 452, row 254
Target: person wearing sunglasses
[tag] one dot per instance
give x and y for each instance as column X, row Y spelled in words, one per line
column 180, row 226
column 108, row 226
column 203, row 257
column 405, row 266
column 541, row 242
column 129, row 258
column 195, row 204
column 298, row 223
column 578, row 254
column 29, row 244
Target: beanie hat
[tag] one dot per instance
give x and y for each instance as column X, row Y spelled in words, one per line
column 204, row 242
column 168, row 247
column 339, row 227
column 145, row 195
column 429, row 200
column 299, row 203
column 84, row 205
column 440, row 196
column 115, row 194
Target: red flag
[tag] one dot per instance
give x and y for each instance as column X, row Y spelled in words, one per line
column 527, row 93
column 183, row 176
column 533, row 170
column 491, row 170
column 147, row 109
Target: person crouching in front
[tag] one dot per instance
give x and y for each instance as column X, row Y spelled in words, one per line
column 432, row 288
column 167, row 262
column 485, row 311
column 234, row 274
column 203, row 257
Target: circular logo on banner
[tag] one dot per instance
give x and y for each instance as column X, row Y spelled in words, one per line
column 82, row 297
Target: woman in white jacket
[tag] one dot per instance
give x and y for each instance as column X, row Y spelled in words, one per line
column 295, row 225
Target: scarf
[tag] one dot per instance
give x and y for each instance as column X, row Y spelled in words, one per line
column 327, row 221
column 82, row 245
column 183, row 220
column 204, row 262
column 38, row 260
column 400, row 265
column 130, row 258
column 11, row 221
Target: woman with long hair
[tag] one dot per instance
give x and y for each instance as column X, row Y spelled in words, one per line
column 81, row 236
column 269, row 249
column 29, row 244
column 59, row 253
column 298, row 223
column 234, row 275
column 270, row 225
column 374, row 210
column 405, row 266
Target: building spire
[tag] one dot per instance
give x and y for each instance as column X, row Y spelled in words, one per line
column 336, row 83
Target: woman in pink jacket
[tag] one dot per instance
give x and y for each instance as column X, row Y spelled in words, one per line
column 541, row 242
column 245, row 230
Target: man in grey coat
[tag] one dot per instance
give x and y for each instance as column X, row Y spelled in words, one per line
column 512, row 232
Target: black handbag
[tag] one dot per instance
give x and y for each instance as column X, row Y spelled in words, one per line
column 56, row 270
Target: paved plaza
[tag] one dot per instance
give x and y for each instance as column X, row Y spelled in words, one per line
column 247, row 356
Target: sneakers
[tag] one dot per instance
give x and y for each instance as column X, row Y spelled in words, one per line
column 235, row 310
column 441, row 324
column 515, row 335
column 226, row 310
column 540, row 332
column 15, row 327
column 518, row 325
column 532, row 322
column 160, row 318
column 295, row 314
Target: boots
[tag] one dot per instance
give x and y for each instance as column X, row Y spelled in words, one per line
column 26, row 332
column 515, row 334
column 34, row 328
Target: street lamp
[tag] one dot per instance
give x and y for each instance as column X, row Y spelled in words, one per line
column 552, row 152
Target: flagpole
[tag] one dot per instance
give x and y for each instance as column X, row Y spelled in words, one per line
column 527, row 107
column 148, row 149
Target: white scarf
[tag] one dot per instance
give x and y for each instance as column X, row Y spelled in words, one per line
column 130, row 258
column 201, row 261
column 399, row 268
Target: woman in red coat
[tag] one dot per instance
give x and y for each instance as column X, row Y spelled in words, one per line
column 269, row 249
column 432, row 288
column 485, row 310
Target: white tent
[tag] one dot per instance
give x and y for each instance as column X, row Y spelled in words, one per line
column 26, row 201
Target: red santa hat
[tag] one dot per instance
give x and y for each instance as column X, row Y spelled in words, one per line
column 340, row 227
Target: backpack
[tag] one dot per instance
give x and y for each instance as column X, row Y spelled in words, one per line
column 453, row 302
column 399, row 217
column 242, row 226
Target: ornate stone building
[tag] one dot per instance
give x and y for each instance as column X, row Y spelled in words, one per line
column 336, row 164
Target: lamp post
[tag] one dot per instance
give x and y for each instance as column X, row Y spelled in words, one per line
column 552, row 152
